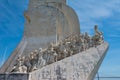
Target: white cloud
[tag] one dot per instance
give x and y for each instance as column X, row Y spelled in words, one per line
column 91, row 12
column 106, row 14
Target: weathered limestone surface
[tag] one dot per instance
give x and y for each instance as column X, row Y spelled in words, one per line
column 47, row 21
column 82, row 66
column 50, row 20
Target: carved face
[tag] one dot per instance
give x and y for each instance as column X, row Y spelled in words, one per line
column 40, row 49
column 36, row 51
column 31, row 55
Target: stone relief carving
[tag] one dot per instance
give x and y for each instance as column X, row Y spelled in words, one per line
column 19, row 67
column 98, row 36
column 55, row 52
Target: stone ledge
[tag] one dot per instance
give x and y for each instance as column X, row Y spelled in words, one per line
column 14, row 76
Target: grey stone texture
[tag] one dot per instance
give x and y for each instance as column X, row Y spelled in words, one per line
column 81, row 66
column 50, row 21
column 46, row 21
column 14, row 76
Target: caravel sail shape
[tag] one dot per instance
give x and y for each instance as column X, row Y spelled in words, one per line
column 51, row 21
column 46, row 21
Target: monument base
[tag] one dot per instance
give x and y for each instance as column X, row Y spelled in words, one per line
column 81, row 66
column 14, row 76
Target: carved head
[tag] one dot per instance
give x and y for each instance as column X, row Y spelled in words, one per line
column 31, row 55
column 96, row 27
column 40, row 49
column 36, row 51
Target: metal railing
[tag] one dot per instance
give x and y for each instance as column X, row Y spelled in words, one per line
column 106, row 78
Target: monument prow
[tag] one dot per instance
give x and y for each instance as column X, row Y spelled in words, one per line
column 81, row 66
column 53, row 47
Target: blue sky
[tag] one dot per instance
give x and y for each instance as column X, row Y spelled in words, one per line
column 105, row 13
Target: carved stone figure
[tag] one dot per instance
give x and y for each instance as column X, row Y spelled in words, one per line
column 87, row 40
column 34, row 60
column 101, row 40
column 55, row 56
column 68, row 51
column 54, row 52
column 82, row 48
column 97, row 32
column 20, row 67
column 39, row 55
column 45, row 55
column 41, row 60
column 50, row 55
column 98, row 37
column 65, row 53
column 27, row 63
column 62, row 54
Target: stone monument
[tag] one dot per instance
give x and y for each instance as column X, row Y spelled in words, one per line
column 52, row 47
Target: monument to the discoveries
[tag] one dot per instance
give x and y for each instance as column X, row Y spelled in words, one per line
column 52, row 47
